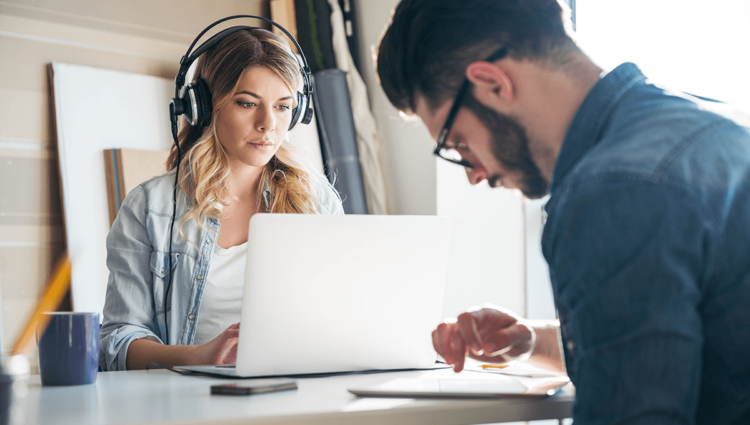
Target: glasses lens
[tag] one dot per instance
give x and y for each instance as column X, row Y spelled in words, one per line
column 451, row 154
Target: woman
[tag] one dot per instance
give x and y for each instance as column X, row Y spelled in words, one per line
column 236, row 166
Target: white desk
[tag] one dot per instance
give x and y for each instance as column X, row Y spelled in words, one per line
column 160, row 396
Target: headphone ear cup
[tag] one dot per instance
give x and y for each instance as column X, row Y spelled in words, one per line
column 203, row 101
column 196, row 105
column 298, row 111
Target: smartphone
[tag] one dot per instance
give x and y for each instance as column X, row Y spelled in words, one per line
column 256, row 386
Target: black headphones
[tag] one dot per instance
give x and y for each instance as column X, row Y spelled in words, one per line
column 194, row 99
column 194, row 102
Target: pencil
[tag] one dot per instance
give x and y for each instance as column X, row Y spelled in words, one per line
column 493, row 366
column 57, row 287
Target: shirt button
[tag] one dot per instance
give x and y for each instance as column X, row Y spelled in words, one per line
column 571, row 345
column 200, row 277
column 191, row 317
column 209, row 241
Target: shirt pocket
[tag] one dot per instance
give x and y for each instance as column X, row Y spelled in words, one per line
column 160, row 263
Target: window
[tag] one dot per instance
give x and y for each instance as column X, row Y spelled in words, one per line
column 697, row 46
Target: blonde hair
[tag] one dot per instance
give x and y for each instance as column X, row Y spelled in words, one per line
column 205, row 167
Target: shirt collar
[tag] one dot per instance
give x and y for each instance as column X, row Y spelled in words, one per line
column 266, row 199
column 588, row 124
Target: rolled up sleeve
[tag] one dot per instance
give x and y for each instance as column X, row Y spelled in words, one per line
column 129, row 304
column 628, row 260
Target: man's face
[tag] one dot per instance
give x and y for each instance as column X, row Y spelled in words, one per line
column 496, row 145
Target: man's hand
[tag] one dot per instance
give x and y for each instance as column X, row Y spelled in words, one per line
column 220, row 350
column 490, row 334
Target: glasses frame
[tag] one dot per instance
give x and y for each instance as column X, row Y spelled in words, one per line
column 442, row 139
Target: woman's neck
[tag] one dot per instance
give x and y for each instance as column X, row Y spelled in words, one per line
column 243, row 183
column 242, row 203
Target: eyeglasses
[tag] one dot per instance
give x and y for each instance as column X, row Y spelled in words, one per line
column 450, row 153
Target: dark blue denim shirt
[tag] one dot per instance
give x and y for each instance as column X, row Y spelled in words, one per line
column 648, row 243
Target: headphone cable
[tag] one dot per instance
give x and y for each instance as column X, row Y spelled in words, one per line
column 171, row 225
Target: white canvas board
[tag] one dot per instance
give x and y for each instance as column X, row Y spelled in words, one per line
column 98, row 109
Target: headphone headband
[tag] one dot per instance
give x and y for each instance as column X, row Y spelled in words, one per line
column 299, row 49
column 195, row 102
column 189, row 58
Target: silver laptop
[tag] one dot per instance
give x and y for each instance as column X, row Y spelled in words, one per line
column 343, row 293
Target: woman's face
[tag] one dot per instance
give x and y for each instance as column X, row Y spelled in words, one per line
column 254, row 121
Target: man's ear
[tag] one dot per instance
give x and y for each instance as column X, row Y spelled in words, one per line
column 492, row 86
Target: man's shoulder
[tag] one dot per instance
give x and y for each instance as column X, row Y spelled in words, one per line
column 668, row 154
column 667, row 137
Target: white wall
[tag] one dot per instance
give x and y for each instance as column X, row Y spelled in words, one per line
column 487, row 249
column 407, row 163
column 487, row 244
column 540, row 303
column 698, row 46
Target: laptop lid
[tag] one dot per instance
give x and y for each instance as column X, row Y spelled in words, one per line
column 327, row 293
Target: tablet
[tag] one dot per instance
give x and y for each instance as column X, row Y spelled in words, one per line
column 462, row 388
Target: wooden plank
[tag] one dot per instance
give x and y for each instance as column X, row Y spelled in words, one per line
column 126, row 169
column 282, row 12
column 113, row 196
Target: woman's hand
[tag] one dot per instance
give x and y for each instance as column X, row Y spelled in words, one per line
column 220, row 350
column 490, row 334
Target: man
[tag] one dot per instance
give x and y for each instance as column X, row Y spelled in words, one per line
column 648, row 229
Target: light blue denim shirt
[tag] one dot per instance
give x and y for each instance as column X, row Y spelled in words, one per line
column 137, row 250
column 648, row 245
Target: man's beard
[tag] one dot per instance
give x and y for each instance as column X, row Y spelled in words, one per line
column 510, row 146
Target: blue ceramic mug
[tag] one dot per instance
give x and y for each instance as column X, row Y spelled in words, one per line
column 69, row 349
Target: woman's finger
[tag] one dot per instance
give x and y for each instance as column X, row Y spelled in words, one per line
column 232, row 356
column 225, row 350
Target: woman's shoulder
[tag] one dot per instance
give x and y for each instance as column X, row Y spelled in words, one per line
column 329, row 201
column 156, row 192
column 162, row 183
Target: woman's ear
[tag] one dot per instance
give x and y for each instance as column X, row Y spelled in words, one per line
column 492, row 86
